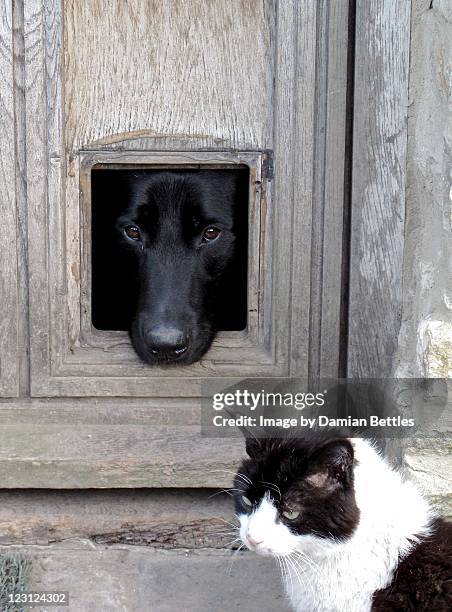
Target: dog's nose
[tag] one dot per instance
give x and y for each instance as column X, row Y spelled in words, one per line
column 166, row 342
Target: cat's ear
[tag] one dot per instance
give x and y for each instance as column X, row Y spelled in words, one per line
column 331, row 465
column 253, row 447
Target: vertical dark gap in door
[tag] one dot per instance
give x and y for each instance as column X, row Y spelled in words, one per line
column 348, row 167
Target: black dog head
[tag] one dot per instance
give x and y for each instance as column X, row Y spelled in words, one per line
column 181, row 229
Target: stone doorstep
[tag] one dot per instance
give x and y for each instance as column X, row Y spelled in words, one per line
column 118, row 578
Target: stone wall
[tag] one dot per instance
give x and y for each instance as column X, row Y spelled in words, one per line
column 425, row 340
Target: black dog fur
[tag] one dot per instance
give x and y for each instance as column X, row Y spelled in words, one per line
column 181, row 228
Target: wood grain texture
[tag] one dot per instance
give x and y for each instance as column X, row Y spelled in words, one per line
column 331, row 190
column 156, row 518
column 289, row 212
column 9, row 369
column 184, row 69
column 378, row 190
column 328, row 139
column 70, row 444
column 21, row 197
column 36, row 181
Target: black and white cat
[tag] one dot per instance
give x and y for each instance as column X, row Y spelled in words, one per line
column 350, row 534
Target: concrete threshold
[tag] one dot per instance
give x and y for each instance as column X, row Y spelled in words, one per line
column 124, row 578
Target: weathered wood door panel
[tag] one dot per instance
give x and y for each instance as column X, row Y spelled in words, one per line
column 172, row 74
column 202, row 82
column 9, row 358
column 378, row 186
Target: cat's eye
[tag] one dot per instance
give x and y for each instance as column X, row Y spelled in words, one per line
column 132, row 232
column 246, row 501
column 291, row 514
column 210, row 233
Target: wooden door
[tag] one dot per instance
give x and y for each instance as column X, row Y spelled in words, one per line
column 296, row 91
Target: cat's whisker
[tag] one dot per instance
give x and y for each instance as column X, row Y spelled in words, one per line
column 304, row 574
column 238, row 474
column 289, row 578
column 232, row 542
column 307, row 559
column 227, row 491
column 272, row 486
column 292, row 587
column 283, row 569
column 292, row 566
column 288, row 574
column 302, row 557
column 234, row 555
column 245, row 480
column 278, row 560
column 229, row 527
column 227, row 522
column 305, row 565
column 302, row 571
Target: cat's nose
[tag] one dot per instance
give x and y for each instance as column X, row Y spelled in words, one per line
column 254, row 542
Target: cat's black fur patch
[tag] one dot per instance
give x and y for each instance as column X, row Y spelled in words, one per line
column 423, row 579
column 314, row 476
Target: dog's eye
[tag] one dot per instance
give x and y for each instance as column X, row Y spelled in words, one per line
column 291, row 514
column 246, row 501
column 210, row 233
column 132, row 232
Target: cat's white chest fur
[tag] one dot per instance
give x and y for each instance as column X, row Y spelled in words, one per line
column 325, row 575
column 327, row 591
column 335, row 584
